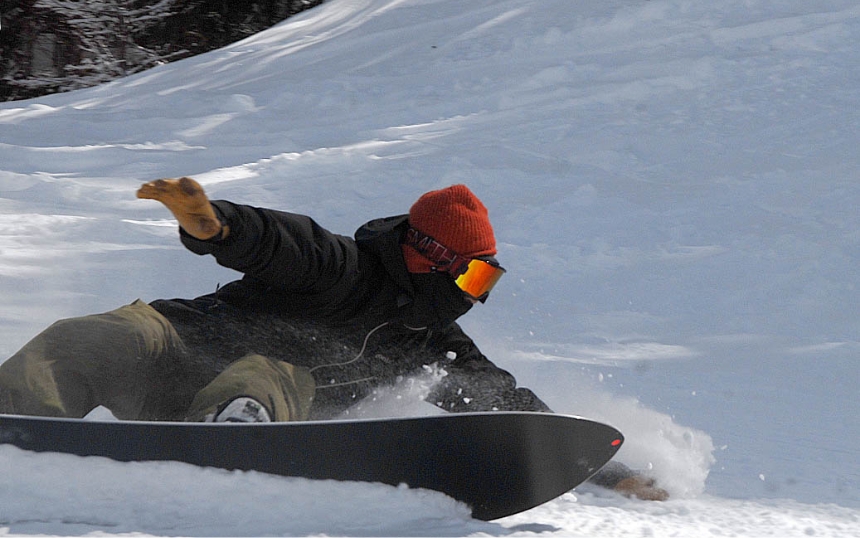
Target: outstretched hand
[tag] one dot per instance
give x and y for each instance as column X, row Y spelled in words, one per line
column 641, row 487
column 186, row 199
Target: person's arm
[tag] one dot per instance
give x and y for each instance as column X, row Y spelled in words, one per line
column 474, row 383
column 285, row 251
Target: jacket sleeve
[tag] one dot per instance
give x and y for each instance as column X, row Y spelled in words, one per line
column 474, row 383
column 287, row 252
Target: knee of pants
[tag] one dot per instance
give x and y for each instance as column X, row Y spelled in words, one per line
column 286, row 390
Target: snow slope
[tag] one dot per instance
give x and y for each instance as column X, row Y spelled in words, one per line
column 672, row 183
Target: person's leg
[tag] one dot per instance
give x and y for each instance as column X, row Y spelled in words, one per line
column 285, row 390
column 80, row 363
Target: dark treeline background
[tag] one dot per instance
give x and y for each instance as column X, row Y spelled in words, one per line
column 50, row 46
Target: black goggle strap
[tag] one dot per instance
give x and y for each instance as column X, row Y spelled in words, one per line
column 446, row 260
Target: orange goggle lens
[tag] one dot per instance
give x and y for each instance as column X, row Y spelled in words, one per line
column 479, row 279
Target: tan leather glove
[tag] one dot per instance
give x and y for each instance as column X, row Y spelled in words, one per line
column 641, row 487
column 186, row 199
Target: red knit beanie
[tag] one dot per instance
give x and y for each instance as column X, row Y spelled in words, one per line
column 455, row 217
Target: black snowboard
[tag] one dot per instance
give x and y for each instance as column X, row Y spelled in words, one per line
column 498, row 463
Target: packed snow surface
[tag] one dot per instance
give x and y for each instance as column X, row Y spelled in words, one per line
column 673, row 186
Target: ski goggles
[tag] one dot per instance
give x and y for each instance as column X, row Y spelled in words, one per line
column 474, row 276
column 479, row 278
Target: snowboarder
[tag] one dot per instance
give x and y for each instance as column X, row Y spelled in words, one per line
column 317, row 322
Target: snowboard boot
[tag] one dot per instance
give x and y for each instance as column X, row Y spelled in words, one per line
column 241, row 409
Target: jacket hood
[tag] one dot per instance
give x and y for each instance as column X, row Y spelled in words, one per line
column 382, row 238
column 430, row 300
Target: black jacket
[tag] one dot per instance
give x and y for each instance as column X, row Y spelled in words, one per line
column 346, row 308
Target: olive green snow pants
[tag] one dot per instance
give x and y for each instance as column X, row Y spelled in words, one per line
column 116, row 360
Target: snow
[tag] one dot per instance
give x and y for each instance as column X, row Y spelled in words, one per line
column 673, row 187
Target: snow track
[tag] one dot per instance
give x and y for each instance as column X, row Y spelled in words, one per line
column 674, row 189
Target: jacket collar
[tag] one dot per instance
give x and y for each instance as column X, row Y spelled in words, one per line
column 382, row 238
